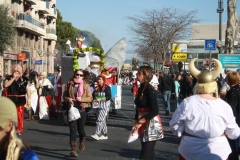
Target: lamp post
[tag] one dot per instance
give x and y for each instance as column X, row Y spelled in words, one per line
column 47, row 54
column 220, row 11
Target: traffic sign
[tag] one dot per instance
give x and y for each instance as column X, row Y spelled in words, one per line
column 38, row 62
column 179, row 57
column 210, row 44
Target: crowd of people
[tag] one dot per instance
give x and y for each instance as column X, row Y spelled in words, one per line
column 206, row 114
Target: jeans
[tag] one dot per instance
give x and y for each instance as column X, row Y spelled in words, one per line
column 78, row 125
column 166, row 100
column 178, row 100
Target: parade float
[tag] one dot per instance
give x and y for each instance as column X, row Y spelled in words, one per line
column 82, row 56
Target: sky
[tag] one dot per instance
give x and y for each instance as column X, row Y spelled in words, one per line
column 107, row 19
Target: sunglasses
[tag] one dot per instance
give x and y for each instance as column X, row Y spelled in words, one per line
column 81, row 75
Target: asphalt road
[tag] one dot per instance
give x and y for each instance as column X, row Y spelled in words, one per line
column 50, row 139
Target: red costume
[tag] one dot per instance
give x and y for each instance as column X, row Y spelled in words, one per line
column 16, row 92
column 58, row 88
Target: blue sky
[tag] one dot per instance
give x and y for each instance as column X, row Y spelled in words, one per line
column 106, row 19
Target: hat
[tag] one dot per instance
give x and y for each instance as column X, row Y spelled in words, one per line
column 7, row 112
column 205, row 79
column 88, row 69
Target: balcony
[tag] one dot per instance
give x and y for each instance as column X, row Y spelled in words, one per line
column 51, row 34
column 43, row 6
column 53, row 13
column 33, row 2
column 29, row 24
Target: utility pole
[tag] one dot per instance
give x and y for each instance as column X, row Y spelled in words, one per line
column 220, row 11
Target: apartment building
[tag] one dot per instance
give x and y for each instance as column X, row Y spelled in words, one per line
column 35, row 36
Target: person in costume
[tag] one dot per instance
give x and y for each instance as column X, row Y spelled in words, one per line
column 46, row 109
column 11, row 147
column 146, row 101
column 16, row 90
column 77, row 92
column 204, row 121
column 33, row 99
column 233, row 99
column 102, row 97
column 58, row 88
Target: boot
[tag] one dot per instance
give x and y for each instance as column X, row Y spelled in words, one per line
column 29, row 115
column 82, row 145
column 73, row 152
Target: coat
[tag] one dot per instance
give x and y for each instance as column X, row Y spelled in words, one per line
column 86, row 97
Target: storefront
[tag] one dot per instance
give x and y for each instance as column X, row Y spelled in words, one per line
column 10, row 59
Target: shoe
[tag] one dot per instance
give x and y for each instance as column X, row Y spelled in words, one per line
column 95, row 136
column 102, row 137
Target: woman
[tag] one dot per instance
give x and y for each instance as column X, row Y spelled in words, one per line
column 46, row 109
column 16, row 91
column 232, row 98
column 77, row 92
column 33, row 99
column 177, row 88
column 145, row 100
column 203, row 120
column 11, row 147
column 102, row 96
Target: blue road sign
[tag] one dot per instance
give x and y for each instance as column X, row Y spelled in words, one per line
column 210, row 44
column 38, row 62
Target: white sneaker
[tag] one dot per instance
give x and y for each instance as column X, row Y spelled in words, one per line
column 95, row 136
column 102, row 137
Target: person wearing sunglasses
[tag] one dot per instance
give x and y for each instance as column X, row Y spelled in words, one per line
column 77, row 92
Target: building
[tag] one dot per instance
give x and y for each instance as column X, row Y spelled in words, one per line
column 195, row 46
column 35, row 36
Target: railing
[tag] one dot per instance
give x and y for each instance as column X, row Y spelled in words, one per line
column 50, row 30
column 47, row 5
column 22, row 16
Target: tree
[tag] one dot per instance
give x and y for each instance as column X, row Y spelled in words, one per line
column 155, row 31
column 232, row 25
column 135, row 63
column 90, row 39
column 7, row 28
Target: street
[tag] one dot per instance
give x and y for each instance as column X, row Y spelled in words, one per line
column 50, row 138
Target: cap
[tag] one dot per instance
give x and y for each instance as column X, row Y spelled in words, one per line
column 8, row 112
column 88, row 69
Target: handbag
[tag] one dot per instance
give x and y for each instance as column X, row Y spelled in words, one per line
column 151, row 130
column 73, row 114
column 64, row 105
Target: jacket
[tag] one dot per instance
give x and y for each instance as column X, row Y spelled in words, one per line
column 86, row 97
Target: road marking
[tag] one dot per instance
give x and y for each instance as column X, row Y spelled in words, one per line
column 126, row 115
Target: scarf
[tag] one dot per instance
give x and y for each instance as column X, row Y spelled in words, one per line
column 80, row 86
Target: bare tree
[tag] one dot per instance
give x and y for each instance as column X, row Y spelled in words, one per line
column 155, row 31
column 232, row 25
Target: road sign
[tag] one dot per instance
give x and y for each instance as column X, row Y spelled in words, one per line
column 210, row 44
column 38, row 62
column 179, row 57
column 179, row 48
column 229, row 61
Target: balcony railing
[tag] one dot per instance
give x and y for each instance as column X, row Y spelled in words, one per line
column 22, row 16
column 50, row 30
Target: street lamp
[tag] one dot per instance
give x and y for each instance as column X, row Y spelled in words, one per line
column 221, row 48
column 47, row 54
column 220, row 11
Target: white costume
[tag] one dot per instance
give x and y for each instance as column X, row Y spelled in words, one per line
column 34, row 96
column 196, row 116
column 43, row 105
column 154, row 82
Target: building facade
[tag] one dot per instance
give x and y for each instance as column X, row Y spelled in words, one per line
column 35, row 36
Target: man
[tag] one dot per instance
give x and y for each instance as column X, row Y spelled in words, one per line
column 58, row 88
column 93, row 78
column 166, row 84
column 16, row 91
